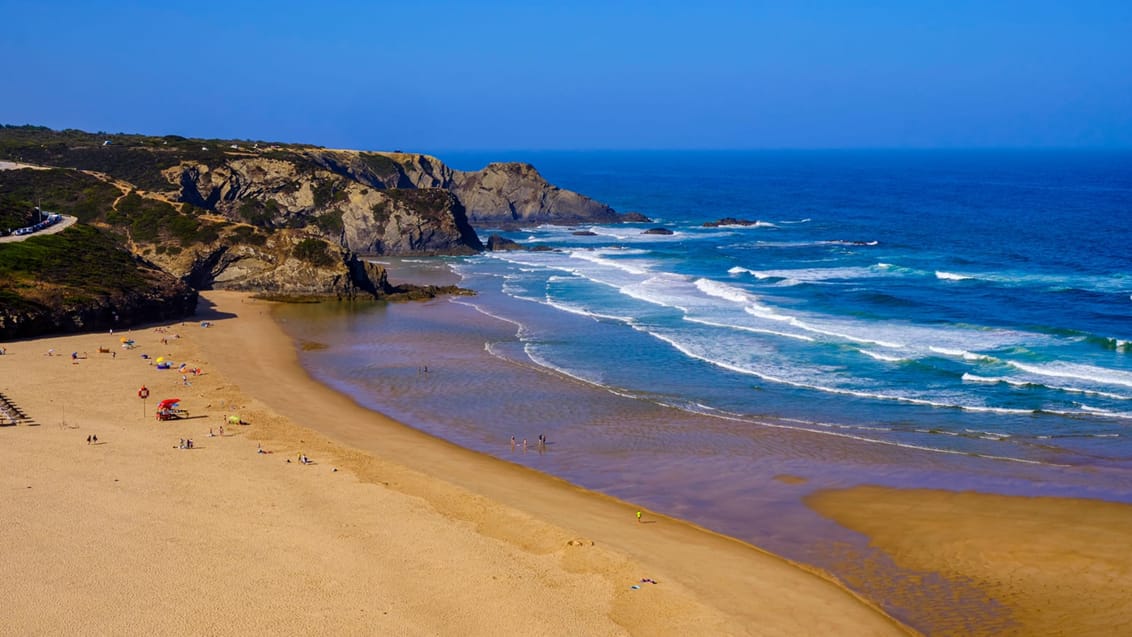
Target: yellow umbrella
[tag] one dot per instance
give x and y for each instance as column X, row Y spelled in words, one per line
column 123, row 339
column 160, row 359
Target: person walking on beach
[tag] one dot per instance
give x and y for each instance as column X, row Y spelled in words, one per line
column 638, row 517
column 88, row 440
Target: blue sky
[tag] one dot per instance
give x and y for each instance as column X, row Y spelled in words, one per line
column 434, row 75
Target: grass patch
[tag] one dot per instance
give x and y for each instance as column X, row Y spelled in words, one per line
column 80, row 257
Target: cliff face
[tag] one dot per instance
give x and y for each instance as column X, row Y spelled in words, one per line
column 351, row 207
column 500, row 193
column 517, row 193
column 278, row 265
column 163, row 298
column 381, row 203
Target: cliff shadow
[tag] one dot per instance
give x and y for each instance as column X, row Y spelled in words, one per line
column 206, row 311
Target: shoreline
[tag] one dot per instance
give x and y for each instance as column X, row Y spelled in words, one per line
column 389, row 519
column 971, row 599
column 423, row 453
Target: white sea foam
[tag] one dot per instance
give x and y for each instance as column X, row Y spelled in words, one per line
column 813, row 275
column 1018, row 382
column 744, row 226
column 591, row 378
column 631, row 266
column 972, row 378
column 1054, row 282
column 882, row 357
column 1123, row 415
column 745, row 328
column 723, row 291
column 764, row 312
column 987, row 435
column 581, row 311
column 802, row 377
column 951, row 276
column 843, row 242
column 959, row 353
column 1076, row 371
column 518, row 325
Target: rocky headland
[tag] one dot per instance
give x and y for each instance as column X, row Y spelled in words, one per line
column 277, row 219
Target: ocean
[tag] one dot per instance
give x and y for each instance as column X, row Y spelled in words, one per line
column 943, row 319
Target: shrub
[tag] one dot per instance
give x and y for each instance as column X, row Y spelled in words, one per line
column 330, row 222
column 313, row 251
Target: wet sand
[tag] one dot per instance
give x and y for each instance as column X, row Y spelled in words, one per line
column 390, row 531
column 1056, row 566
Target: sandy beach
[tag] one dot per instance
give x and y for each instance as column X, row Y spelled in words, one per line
column 389, row 531
column 1058, row 566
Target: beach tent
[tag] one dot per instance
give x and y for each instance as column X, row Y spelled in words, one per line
column 169, row 409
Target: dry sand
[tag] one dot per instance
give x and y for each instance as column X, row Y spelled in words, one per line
column 1058, row 566
column 409, row 536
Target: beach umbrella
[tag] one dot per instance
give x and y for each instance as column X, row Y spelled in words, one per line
column 160, row 359
column 123, row 339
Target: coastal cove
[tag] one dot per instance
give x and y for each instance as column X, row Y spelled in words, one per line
column 498, row 319
column 888, row 319
column 872, row 402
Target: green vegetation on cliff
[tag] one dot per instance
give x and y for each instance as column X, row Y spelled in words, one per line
column 138, row 159
column 428, row 201
column 153, row 220
column 159, row 214
column 313, row 251
column 68, row 191
column 79, row 263
column 81, row 279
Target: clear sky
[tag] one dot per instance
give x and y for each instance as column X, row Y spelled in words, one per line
column 435, row 75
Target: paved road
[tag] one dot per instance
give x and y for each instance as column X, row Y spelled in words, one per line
column 68, row 220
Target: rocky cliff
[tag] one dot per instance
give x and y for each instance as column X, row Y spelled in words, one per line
column 348, row 205
column 284, row 263
column 81, row 280
column 272, row 218
column 380, row 203
column 165, row 299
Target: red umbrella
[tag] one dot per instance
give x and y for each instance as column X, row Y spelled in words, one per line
column 168, row 403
